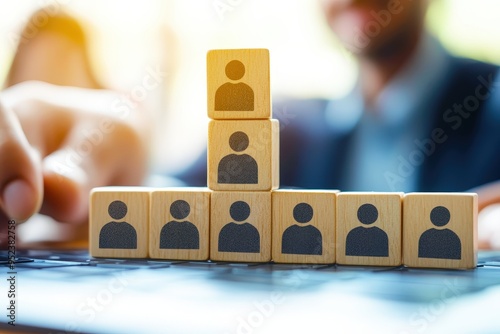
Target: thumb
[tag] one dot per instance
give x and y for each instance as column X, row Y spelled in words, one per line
column 21, row 189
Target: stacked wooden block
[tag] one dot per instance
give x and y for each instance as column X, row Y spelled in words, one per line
column 243, row 154
column 243, row 217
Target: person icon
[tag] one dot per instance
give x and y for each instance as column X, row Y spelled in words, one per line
column 367, row 241
column 238, row 168
column 118, row 235
column 240, row 238
column 439, row 243
column 179, row 235
column 234, row 96
column 305, row 240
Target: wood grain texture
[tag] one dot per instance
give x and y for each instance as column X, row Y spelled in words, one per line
column 420, row 233
column 243, row 155
column 303, row 226
column 377, row 241
column 114, row 236
column 240, row 233
column 238, row 84
column 179, row 224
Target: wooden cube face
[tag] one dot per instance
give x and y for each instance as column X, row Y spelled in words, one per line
column 179, row 224
column 440, row 230
column 303, row 226
column 119, row 219
column 369, row 229
column 240, row 226
column 243, row 155
column 238, row 84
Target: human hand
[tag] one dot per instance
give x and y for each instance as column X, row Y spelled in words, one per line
column 56, row 143
column 489, row 218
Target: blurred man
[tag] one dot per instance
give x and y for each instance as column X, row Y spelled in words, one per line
column 418, row 119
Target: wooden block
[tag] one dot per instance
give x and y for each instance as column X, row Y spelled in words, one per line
column 303, row 226
column 238, row 84
column 119, row 219
column 179, row 224
column 440, row 230
column 240, row 226
column 243, row 155
column 369, row 228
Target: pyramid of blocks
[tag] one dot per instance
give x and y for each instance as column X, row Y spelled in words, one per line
column 243, row 217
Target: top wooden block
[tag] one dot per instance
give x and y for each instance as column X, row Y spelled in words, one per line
column 238, row 84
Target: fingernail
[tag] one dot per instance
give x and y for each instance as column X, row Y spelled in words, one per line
column 19, row 199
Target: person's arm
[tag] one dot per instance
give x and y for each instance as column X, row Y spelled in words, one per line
column 59, row 142
column 488, row 194
column 489, row 231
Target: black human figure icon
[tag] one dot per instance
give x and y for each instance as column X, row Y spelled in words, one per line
column 367, row 241
column 302, row 239
column 238, row 168
column 234, row 96
column 118, row 235
column 179, row 235
column 440, row 243
column 239, row 238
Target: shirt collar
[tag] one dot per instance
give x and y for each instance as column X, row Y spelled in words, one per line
column 405, row 94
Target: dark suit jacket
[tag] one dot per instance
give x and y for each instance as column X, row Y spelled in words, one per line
column 312, row 156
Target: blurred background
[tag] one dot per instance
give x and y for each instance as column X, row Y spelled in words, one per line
column 129, row 40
